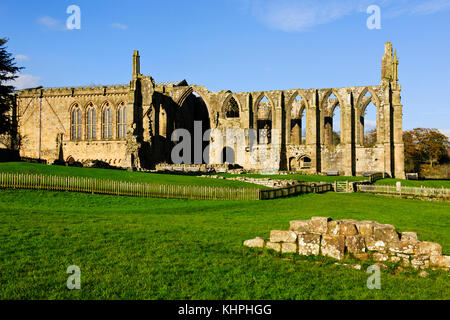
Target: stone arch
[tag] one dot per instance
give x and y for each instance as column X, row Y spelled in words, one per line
column 90, row 120
column 303, row 161
column 328, row 115
column 367, row 96
column 108, row 118
column 121, row 116
column 194, row 108
column 263, row 125
column 227, row 100
column 295, row 126
column 76, row 121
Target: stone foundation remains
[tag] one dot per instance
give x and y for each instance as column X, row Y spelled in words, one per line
column 363, row 240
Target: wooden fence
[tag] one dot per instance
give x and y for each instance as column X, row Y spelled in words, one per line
column 122, row 188
column 294, row 190
column 406, row 191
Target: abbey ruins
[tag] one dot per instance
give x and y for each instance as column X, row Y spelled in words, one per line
column 131, row 125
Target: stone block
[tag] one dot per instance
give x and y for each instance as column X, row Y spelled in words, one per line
column 347, row 229
column 254, row 243
column 333, row 227
column 308, row 244
column 381, row 257
column 409, row 236
column 406, row 247
column 429, row 248
column 402, row 258
column 319, row 225
column 441, row 261
column 288, row 248
column 362, row 256
column 421, row 261
column 299, row 226
column 365, row 228
column 283, row 236
column 386, row 233
column 375, row 245
column 333, row 246
column 355, row 244
column 273, row 246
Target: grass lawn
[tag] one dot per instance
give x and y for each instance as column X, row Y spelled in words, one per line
column 140, row 248
column 413, row 183
column 299, row 177
column 121, row 175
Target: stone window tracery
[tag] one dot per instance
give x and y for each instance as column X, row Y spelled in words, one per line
column 122, row 121
column 76, row 123
column 232, row 109
column 91, row 123
column 107, row 123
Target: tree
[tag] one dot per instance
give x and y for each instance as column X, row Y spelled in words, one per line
column 425, row 145
column 370, row 138
column 8, row 73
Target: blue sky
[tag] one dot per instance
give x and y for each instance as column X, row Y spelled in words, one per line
column 238, row 45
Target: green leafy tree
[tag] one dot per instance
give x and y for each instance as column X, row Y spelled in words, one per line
column 425, row 145
column 8, row 72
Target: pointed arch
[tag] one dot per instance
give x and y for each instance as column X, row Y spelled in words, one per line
column 331, row 117
column 365, row 137
column 121, row 120
column 107, row 120
column 76, row 120
column 296, row 121
column 263, row 122
column 90, row 111
column 231, row 107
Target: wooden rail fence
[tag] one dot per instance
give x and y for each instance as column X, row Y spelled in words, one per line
column 294, row 190
column 123, row 188
column 406, row 191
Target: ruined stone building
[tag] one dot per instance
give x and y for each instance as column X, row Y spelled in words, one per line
column 131, row 125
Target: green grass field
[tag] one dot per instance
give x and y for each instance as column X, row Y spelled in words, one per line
column 299, row 177
column 413, row 183
column 121, row 175
column 141, row 248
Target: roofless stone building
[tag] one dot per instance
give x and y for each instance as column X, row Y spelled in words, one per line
column 131, row 125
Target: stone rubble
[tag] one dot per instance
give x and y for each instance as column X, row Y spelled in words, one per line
column 363, row 240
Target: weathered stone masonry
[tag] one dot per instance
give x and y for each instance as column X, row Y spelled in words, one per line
column 131, row 125
column 363, row 240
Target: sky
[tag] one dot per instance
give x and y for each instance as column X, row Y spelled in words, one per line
column 238, row 45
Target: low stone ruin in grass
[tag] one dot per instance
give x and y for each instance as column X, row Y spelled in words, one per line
column 363, row 240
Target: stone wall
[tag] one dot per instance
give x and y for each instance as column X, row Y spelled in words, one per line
column 363, row 240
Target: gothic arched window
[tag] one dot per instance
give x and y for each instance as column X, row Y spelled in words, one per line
column 107, row 123
column 122, row 121
column 232, row 109
column 91, row 123
column 76, row 123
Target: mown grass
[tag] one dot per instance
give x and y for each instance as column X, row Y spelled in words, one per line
column 121, row 175
column 414, row 183
column 140, row 248
column 299, row 177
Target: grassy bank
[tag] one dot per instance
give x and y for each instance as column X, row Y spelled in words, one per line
column 137, row 248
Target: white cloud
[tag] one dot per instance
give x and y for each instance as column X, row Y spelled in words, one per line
column 52, row 23
column 24, row 81
column 292, row 16
column 300, row 16
column 21, row 57
column 445, row 131
column 430, row 7
column 370, row 124
column 119, row 26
